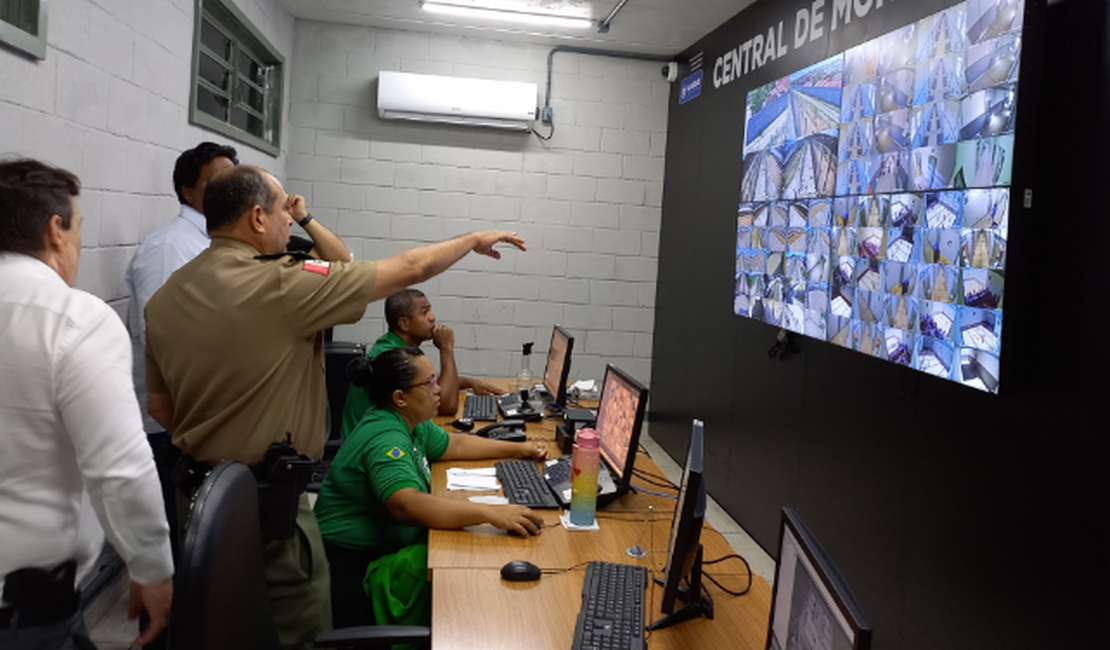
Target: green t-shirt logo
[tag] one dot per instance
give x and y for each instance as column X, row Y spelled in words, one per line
column 395, row 453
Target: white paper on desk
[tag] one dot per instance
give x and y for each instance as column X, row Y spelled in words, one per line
column 490, row 500
column 585, row 385
column 483, row 478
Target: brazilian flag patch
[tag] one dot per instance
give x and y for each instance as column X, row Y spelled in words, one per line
column 395, row 453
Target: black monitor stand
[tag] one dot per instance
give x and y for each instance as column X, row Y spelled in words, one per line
column 700, row 604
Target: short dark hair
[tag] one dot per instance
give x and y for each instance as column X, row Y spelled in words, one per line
column 30, row 193
column 186, row 172
column 400, row 305
column 381, row 375
column 233, row 192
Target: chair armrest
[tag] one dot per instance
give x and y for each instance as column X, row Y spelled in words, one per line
column 375, row 636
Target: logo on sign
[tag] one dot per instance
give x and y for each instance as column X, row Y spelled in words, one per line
column 690, row 88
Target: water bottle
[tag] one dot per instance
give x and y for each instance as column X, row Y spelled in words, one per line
column 583, row 486
column 524, row 375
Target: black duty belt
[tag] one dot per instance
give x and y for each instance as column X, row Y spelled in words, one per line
column 282, row 476
column 40, row 596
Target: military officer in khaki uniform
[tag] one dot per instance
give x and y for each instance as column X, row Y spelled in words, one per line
column 235, row 362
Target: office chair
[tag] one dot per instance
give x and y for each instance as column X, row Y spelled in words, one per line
column 220, row 600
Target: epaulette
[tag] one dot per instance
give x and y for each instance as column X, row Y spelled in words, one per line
column 297, row 255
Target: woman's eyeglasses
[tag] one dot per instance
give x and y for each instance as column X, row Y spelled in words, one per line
column 429, row 382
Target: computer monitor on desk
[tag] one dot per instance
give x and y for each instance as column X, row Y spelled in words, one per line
column 620, row 416
column 558, row 366
column 812, row 606
column 684, row 553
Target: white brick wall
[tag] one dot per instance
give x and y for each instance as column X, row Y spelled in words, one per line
column 109, row 103
column 587, row 201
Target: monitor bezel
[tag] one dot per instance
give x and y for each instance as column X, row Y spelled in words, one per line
column 560, row 392
column 625, row 479
column 689, row 519
column 829, row 575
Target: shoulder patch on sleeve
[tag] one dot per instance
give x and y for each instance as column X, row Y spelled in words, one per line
column 395, row 453
column 317, row 266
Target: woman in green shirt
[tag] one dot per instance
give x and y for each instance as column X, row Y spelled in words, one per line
column 375, row 504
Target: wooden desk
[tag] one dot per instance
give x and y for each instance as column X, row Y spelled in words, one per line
column 473, row 608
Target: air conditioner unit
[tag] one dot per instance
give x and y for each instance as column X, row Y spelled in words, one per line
column 456, row 100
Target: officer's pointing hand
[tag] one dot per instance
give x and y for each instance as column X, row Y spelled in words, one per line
column 487, row 239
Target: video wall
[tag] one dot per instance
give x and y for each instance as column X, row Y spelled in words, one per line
column 874, row 198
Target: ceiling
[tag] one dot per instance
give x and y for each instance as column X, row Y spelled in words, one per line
column 644, row 26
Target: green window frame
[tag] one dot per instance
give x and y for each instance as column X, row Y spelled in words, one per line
column 23, row 26
column 237, row 78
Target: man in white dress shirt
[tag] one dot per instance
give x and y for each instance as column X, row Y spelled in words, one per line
column 168, row 249
column 73, row 450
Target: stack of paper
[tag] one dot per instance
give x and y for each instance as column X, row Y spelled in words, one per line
column 483, row 478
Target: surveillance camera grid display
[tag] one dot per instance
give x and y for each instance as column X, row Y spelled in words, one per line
column 874, row 197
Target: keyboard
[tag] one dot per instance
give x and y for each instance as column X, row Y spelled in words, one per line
column 508, row 435
column 559, row 472
column 524, row 485
column 480, row 407
column 612, row 614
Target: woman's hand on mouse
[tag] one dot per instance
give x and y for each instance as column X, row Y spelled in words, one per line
column 532, row 450
column 516, row 519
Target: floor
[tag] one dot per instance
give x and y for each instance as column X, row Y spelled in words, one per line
column 110, row 629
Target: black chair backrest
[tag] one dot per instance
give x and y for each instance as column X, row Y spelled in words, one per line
column 220, row 599
column 337, row 354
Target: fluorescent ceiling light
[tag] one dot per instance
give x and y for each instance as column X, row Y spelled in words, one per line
column 501, row 12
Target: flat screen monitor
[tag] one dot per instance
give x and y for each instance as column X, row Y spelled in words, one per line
column 812, row 607
column 875, row 194
column 684, row 552
column 619, row 418
column 558, row 365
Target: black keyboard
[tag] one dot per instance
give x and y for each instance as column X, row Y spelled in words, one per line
column 524, row 485
column 480, row 407
column 612, row 614
column 559, row 471
column 508, row 435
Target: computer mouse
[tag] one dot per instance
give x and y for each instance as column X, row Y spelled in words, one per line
column 463, row 424
column 520, row 571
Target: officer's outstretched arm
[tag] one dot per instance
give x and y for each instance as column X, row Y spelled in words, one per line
column 419, row 264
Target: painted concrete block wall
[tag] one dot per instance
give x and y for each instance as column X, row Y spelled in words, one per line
column 587, row 202
column 110, row 103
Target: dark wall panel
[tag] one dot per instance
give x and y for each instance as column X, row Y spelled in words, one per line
column 961, row 519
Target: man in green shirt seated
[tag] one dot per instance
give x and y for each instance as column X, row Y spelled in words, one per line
column 408, row 314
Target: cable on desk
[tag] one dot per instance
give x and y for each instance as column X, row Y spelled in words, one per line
column 653, row 492
column 722, row 587
column 555, row 572
column 654, row 479
column 612, row 515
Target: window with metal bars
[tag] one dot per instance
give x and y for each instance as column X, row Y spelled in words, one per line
column 237, row 78
column 23, row 26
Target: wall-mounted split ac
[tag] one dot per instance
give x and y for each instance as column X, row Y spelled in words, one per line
column 456, row 100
